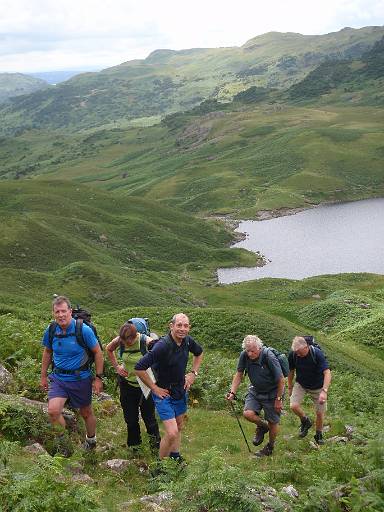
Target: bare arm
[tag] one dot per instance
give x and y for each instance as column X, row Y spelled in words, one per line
column 99, row 366
column 327, row 381
column 191, row 376
column 45, row 364
column 291, row 376
column 111, row 347
column 280, row 391
column 236, row 381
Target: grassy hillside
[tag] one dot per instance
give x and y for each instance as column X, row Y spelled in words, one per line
column 169, row 81
column 17, row 84
column 60, row 237
column 268, row 156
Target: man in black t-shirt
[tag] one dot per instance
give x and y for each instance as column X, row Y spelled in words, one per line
column 265, row 392
column 313, row 377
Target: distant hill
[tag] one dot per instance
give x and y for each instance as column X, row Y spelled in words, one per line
column 169, row 81
column 351, row 76
column 55, row 77
column 17, row 84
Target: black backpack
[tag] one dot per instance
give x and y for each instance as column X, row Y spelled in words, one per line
column 82, row 316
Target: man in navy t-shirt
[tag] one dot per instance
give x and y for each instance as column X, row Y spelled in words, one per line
column 313, row 377
column 169, row 357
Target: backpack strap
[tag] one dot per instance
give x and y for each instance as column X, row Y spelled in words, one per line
column 80, row 340
column 264, row 355
column 312, row 351
column 51, row 333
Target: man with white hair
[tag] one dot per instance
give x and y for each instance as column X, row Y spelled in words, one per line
column 265, row 392
column 313, row 378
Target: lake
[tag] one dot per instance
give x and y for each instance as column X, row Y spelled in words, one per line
column 329, row 239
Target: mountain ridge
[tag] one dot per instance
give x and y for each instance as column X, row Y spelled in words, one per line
column 172, row 81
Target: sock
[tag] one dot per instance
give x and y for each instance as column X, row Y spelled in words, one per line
column 90, row 440
column 174, row 455
column 304, row 420
column 319, row 433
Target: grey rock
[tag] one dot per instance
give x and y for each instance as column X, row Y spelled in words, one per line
column 158, row 499
column 116, row 464
column 338, row 439
column 5, row 379
column 82, row 478
column 291, row 491
column 35, row 448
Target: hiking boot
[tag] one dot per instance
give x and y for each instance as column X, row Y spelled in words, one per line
column 89, row 445
column 318, row 437
column 258, row 438
column 265, row 452
column 306, row 424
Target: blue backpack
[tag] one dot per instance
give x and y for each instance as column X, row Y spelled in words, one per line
column 142, row 327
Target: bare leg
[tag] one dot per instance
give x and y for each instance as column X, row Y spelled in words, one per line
column 171, row 440
column 55, row 411
column 89, row 419
column 254, row 418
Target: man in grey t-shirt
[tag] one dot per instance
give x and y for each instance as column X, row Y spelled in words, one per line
column 265, row 392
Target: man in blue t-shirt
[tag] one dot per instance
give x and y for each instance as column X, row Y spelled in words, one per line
column 71, row 377
column 169, row 358
column 313, row 377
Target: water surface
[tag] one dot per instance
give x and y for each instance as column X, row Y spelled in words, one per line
column 330, row 239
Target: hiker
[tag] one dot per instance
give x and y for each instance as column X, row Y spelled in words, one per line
column 132, row 399
column 170, row 391
column 264, row 393
column 71, row 378
column 313, row 377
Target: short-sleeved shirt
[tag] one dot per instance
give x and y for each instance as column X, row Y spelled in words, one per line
column 170, row 360
column 131, row 356
column 67, row 353
column 309, row 369
column 263, row 372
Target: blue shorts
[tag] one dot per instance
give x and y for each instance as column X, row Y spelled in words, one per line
column 78, row 392
column 168, row 408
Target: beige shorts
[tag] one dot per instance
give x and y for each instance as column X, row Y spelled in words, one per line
column 298, row 393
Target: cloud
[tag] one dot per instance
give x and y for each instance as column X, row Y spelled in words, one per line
column 73, row 34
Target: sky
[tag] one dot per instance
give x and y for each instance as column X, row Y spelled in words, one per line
column 51, row 35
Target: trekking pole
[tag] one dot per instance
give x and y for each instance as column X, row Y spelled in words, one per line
column 241, row 428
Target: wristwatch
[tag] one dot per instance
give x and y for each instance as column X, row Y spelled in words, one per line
column 194, row 372
column 100, row 376
column 279, row 398
column 325, row 390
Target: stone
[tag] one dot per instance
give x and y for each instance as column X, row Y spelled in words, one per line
column 116, row 464
column 5, row 379
column 82, row 478
column 338, row 439
column 291, row 491
column 35, row 448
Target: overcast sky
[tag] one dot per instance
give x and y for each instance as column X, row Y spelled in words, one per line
column 47, row 35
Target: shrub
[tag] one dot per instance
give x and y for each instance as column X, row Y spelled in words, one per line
column 43, row 487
